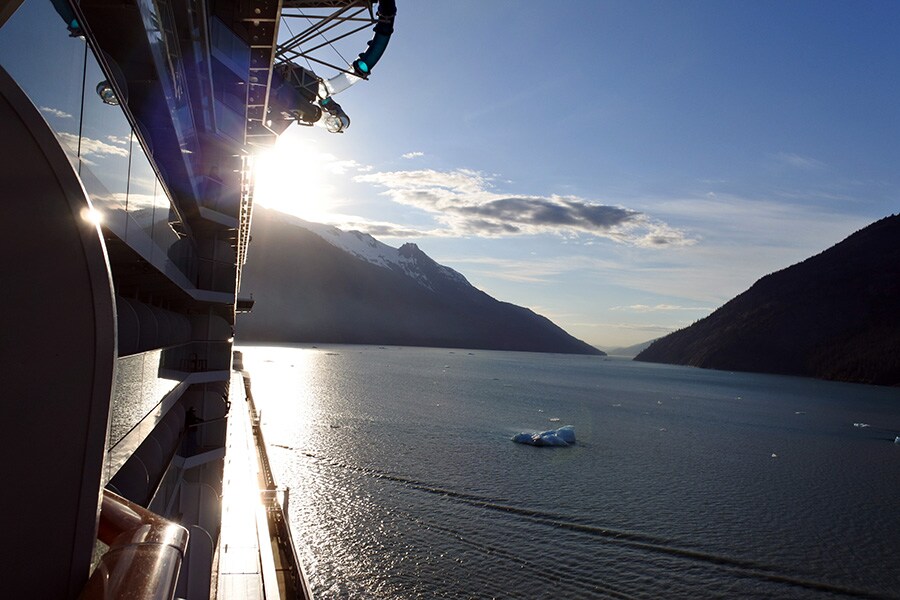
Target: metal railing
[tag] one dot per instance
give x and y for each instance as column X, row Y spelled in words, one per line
column 144, row 557
column 243, row 240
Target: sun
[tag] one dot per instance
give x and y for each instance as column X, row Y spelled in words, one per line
column 293, row 177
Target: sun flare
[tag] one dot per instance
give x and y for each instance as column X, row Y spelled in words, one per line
column 293, row 177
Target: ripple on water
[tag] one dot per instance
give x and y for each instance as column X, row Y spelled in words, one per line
column 408, row 499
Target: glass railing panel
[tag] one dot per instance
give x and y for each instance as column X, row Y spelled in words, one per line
column 198, row 357
column 51, row 71
column 163, row 234
column 142, row 189
column 138, row 392
column 106, row 143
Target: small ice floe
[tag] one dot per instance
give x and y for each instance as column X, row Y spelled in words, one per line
column 861, row 425
column 564, row 436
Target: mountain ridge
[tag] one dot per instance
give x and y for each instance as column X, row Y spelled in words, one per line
column 835, row 315
column 316, row 283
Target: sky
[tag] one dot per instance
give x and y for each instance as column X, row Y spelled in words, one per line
column 623, row 168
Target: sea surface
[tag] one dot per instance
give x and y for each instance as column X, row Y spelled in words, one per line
column 683, row 483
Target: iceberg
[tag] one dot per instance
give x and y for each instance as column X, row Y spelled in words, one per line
column 564, row 436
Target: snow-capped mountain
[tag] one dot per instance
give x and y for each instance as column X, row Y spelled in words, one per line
column 406, row 259
column 316, row 283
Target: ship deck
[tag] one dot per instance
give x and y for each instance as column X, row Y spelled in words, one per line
column 256, row 557
column 241, row 562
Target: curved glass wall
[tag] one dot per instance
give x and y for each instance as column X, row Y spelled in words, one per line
column 61, row 75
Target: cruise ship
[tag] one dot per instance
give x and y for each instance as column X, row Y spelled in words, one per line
column 133, row 462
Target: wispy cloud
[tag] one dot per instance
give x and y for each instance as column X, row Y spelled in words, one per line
column 464, row 203
column 410, row 155
column 91, row 147
column 645, row 308
column 759, row 223
column 645, row 327
column 515, row 270
column 55, row 112
column 797, row 161
column 382, row 229
column 338, row 166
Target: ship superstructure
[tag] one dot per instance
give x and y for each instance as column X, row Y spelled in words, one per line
column 128, row 131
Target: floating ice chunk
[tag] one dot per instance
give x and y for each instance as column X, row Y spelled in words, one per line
column 567, row 433
column 564, row 436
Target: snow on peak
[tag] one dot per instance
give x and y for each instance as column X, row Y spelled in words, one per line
column 408, row 259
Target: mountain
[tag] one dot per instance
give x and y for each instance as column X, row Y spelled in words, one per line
column 833, row 316
column 315, row 283
column 631, row 351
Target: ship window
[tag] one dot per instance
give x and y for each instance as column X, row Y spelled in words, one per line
column 229, row 49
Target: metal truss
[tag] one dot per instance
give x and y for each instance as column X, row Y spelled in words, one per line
column 324, row 23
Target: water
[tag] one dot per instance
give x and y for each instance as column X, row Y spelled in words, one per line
column 683, row 483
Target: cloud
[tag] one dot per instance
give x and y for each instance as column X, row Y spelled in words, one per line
column 91, row 147
column 410, row 155
column 536, row 270
column 337, row 166
column 55, row 112
column 759, row 223
column 797, row 161
column 463, row 202
column 383, row 229
column 646, row 327
column 644, row 308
